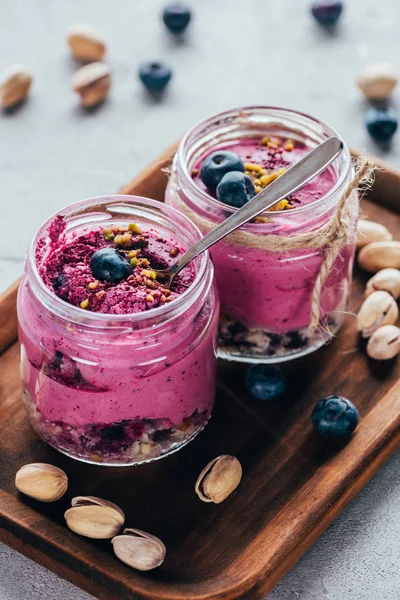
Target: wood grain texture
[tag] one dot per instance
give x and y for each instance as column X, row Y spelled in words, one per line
column 295, row 483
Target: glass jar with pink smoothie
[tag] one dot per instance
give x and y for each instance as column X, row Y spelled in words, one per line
column 117, row 369
column 266, row 295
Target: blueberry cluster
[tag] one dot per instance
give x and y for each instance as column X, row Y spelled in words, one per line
column 223, row 174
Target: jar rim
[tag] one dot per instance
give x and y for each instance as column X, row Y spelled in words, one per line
column 207, row 198
column 79, row 315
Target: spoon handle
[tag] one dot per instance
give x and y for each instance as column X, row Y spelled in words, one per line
column 289, row 182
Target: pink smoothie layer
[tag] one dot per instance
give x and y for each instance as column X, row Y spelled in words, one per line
column 267, row 290
column 273, row 159
column 78, row 377
column 64, row 265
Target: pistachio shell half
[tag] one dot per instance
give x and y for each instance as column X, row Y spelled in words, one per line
column 14, row 85
column 139, row 549
column 86, row 43
column 92, row 82
column 219, row 479
column 42, row 482
column 380, row 308
column 387, row 280
column 380, row 255
column 369, row 231
column 94, row 517
column 384, row 343
column 377, row 80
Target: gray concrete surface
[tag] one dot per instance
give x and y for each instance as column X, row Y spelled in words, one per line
column 236, row 53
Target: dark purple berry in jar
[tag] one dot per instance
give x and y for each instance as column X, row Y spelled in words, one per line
column 327, row 13
column 176, row 17
column 108, row 264
column 235, row 189
column 216, row 165
column 60, row 286
column 381, row 123
column 265, row 382
column 155, row 76
column 335, row 417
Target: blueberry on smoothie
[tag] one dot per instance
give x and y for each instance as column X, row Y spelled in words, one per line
column 335, row 417
column 176, row 17
column 327, row 12
column 108, row 264
column 265, row 382
column 235, row 189
column 155, row 76
column 381, row 123
column 216, row 165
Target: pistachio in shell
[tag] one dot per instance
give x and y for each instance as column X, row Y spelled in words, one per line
column 380, row 308
column 380, row 255
column 94, row 517
column 387, row 280
column 42, row 482
column 139, row 549
column 219, row 479
column 369, row 231
column 384, row 344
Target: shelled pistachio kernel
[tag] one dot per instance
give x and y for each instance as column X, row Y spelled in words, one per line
column 369, row 231
column 219, row 479
column 14, row 85
column 86, row 43
column 94, row 517
column 380, row 308
column 134, row 261
column 92, row 82
column 42, row 482
column 384, row 343
column 134, row 228
column 85, row 303
column 377, row 81
column 387, row 280
column 139, row 549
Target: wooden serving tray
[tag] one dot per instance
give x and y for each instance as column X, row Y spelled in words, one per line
column 295, row 483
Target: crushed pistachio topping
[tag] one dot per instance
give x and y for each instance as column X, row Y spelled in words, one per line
column 123, row 240
column 108, row 234
column 134, row 261
column 143, row 262
column 282, row 205
column 84, row 303
column 265, row 140
column 288, row 145
column 174, row 252
column 150, row 298
column 134, row 228
column 260, row 219
column 93, row 285
column 253, row 167
column 148, row 273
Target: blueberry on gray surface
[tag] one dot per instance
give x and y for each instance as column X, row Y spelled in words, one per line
column 327, row 13
column 335, row 417
column 381, row 123
column 265, row 382
column 235, row 189
column 108, row 264
column 216, row 165
column 155, row 76
column 176, row 17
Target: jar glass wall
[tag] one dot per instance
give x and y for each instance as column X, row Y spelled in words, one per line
column 119, row 389
column 266, row 296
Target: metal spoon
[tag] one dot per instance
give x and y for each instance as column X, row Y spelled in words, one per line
column 289, row 182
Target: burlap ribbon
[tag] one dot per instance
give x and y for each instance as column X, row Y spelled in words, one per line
column 334, row 235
